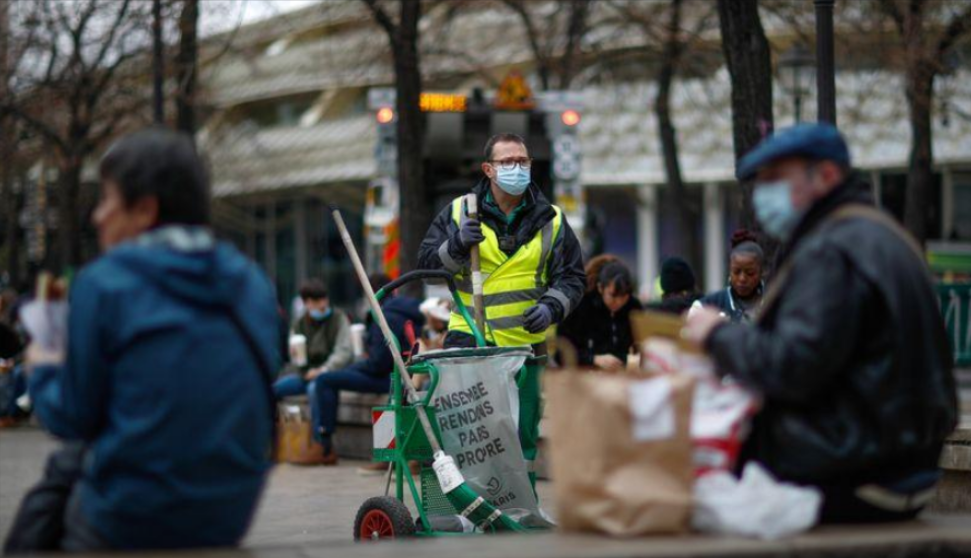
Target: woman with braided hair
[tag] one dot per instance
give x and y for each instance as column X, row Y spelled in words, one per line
column 742, row 298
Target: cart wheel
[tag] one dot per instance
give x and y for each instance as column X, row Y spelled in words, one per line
column 383, row 517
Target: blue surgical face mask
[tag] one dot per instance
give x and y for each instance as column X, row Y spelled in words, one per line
column 513, row 181
column 774, row 209
column 319, row 315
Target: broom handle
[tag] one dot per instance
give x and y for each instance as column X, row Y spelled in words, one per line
column 386, row 331
column 478, row 299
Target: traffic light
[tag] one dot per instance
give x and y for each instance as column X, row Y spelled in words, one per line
column 570, row 117
column 385, row 115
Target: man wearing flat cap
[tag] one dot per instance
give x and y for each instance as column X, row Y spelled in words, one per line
column 849, row 353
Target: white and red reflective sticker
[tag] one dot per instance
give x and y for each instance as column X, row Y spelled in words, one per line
column 383, row 422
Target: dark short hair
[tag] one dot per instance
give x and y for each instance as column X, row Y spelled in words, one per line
column 616, row 273
column 313, row 289
column 749, row 248
column 162, row 164
column 501, row 138
column 745, row 242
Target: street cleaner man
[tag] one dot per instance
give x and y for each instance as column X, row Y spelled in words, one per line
column 849, row 351
column 530, row 257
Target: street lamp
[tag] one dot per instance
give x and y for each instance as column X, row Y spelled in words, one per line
column 796, row 70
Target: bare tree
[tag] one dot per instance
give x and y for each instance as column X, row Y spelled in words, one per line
column 9, row 210
column 70, row 88
column 669, row 39
column 748, row 57
column 555, row 39
column 400, row 24
column 929, row 32
column 186, row 67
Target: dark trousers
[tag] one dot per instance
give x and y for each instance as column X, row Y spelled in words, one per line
column 50, row 518
column 328, row 386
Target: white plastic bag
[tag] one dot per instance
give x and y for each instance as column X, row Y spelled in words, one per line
column 756, row 505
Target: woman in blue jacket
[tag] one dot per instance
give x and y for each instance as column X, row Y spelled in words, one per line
column 163, row 399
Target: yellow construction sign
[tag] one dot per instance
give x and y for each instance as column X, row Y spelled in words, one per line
column 514, row 93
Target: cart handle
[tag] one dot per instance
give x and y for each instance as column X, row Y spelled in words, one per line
column 422, row 274
column 433, row 375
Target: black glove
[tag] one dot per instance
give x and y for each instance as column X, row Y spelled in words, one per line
column 470, row 234
column 537, row 318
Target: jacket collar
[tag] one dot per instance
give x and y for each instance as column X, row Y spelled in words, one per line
column 852, row 190
column 181, row 238
column 536, row 210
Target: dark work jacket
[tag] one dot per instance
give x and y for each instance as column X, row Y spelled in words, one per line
column 852, row 359
column 594, row 330
column 398, row 311
column 564, row 271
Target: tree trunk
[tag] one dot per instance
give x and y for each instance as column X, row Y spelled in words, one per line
column 158, row 65
column 920, row 174
column 186, row 62
column 749, row 63
column 575, row 31
column 686, row 244
column 9, row 210
column 414, row 213
column 69, row 214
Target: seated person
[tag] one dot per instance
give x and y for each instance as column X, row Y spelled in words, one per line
column 849, row 352
column 164, row 397
column 743, row 297
column 678, row 287
column 600, row 329
column 329, row 346
column 370, row 375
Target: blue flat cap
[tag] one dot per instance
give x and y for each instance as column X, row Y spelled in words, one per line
column 813, row 141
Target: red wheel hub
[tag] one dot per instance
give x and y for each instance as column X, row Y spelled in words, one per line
column 376, row 525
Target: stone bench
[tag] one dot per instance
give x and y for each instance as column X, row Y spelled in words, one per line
column 954, row 490
column 353, row 437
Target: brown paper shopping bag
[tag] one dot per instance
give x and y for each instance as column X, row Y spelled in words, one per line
column 620, row 452
column 295, row 441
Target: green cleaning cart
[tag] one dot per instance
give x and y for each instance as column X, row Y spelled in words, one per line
column 400, row 439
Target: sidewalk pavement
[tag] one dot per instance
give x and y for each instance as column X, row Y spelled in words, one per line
column 308, row 512
column 301, row 506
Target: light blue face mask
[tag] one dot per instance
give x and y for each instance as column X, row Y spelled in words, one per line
column 513, row 181
column 318, row 315
column 774, row 209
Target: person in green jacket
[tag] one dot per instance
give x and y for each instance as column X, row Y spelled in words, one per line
column 329, row 347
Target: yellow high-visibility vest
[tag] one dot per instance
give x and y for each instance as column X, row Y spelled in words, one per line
column 511, row 284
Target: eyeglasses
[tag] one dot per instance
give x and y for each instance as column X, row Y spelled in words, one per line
column 510, row 164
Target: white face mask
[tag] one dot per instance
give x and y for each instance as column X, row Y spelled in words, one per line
column 773, row 208
column 513, row 181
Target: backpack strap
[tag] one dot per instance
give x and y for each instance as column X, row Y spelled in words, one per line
column 266, row 374
column 848, row 211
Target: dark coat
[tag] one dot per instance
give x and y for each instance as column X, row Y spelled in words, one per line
column 565, row 265
column 852, row 359
column 595, row 330
column 398, row 311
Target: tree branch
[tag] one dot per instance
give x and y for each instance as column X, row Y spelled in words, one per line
column 108, row 42
column 891, row 9
column 532, row 35
column 959, row 26
column 36, row 124
column 383, row 19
